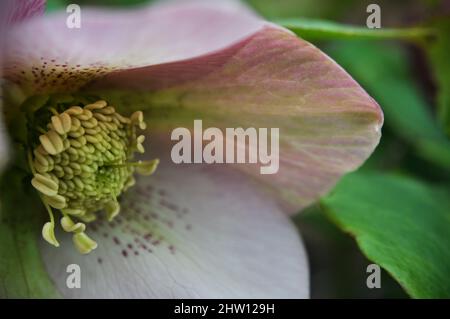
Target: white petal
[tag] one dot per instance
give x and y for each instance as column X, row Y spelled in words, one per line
column 189, row 232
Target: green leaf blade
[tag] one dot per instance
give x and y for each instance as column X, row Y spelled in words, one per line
column 399, row 223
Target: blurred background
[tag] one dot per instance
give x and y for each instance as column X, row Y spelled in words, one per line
column 410, row 80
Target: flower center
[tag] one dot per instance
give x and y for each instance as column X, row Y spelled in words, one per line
column 82, row 163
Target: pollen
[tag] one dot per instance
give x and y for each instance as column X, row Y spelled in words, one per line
column 82, row 163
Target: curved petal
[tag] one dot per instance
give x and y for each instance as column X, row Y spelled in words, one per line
column 248, row 74
column 328, row 125
column 63, row 58
column 189, row 232
column 13, row 11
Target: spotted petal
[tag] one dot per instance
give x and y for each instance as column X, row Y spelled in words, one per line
column 13, row 11
column 189, row 232
column 63, row 58
column 237, row 71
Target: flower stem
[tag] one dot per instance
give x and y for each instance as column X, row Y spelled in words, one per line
column 324, row 30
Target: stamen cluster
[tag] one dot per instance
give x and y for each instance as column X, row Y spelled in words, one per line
column 82, row 164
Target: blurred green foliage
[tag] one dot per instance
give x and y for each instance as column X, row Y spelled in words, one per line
column 383, row 69
column 439, row 50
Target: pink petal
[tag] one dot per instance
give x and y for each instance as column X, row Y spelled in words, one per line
column 188, row 232
column 45, row 55
column 328, row 124
column 13, row 11
column 217, row 63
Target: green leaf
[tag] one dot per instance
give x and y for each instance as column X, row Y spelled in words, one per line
column 22, row 273
column 438, row 51
column 313, row 29
column 335, row 259
column 383, row 71
column 399, row 223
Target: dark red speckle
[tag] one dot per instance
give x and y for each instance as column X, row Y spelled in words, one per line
column 116, row 240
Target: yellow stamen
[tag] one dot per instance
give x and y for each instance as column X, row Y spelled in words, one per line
column 82, row 164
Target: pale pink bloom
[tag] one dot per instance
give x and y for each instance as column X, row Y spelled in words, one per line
column 199, row 230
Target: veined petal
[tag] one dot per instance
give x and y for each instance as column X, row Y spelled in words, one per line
column 328, row 125
column 13, row 11
column 248, row 74
column 63, row 58
column 189, row 232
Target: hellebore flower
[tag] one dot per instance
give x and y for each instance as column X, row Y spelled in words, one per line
column 188, row 230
